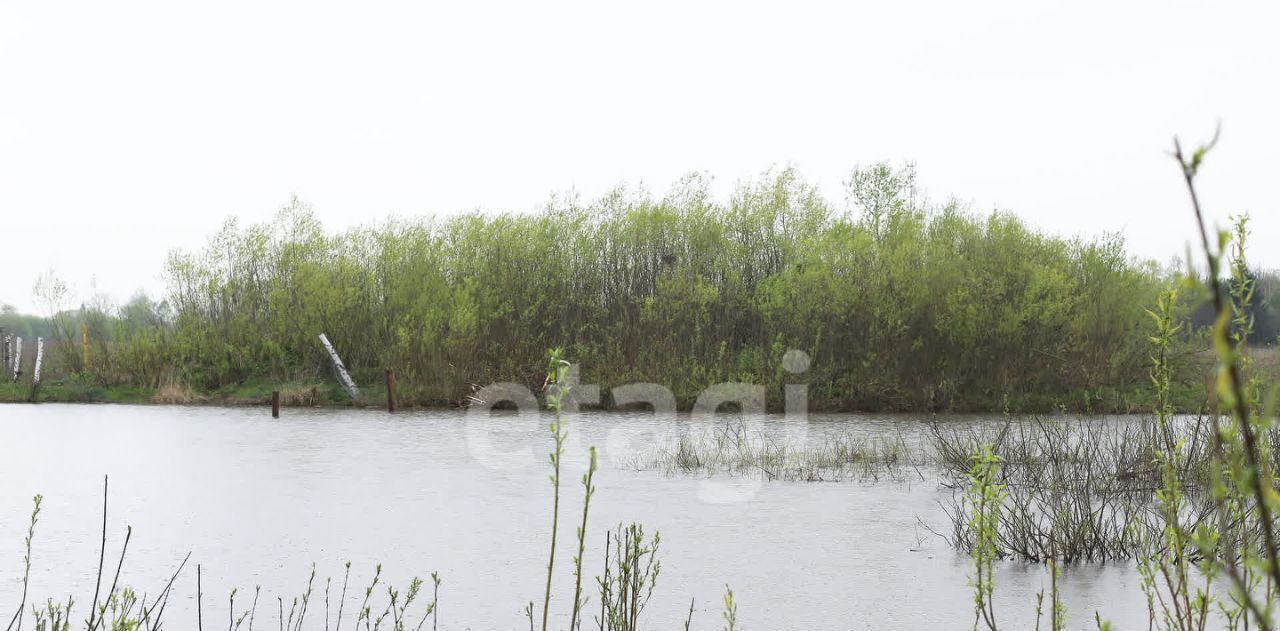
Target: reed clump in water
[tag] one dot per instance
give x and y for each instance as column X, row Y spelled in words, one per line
column 732, row 448
column 1077, row 489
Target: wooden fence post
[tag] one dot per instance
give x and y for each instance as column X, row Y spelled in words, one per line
column 391, row 391
column 275, row 404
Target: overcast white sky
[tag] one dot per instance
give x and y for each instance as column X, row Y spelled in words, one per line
column 129, row 128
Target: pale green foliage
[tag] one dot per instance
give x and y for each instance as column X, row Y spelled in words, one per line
column 1176, row 589
column 902, row 303
column 730, row 613
column 630, row 577
column 985, row 501
column 556, row 391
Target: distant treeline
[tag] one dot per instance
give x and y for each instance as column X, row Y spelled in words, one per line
column 902, row 303
column 24, row 325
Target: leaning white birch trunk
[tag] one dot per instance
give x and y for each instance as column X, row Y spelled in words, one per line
column 17, row 359
column 35, row 376
column 340, row 369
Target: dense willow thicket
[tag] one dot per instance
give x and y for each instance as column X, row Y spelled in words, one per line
column 902, row 303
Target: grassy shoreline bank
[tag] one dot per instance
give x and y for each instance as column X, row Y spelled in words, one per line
column 1189, row 399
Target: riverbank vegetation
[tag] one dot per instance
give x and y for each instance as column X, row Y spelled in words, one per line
column 904, row 304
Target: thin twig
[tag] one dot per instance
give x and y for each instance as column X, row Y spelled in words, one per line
column 199, row 601
column 102, row 555
column 115, row 581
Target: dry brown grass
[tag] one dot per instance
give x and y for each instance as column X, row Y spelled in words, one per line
column 174, row 394
column 299, row 396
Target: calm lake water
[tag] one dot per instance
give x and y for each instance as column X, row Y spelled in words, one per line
column 258, row 501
